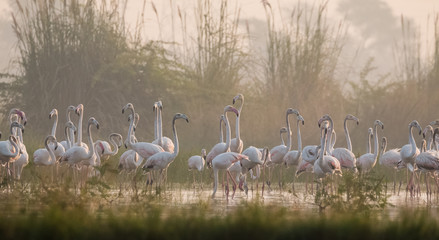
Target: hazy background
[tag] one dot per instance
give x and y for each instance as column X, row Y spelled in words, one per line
column 368, row 55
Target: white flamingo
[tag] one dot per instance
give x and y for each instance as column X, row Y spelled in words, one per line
column 256, row 157
column 144, row 149
column 10, row 149
column 390, row 159
column 236, row 144
column 408, row 155
column 130, row 160
column 428, row 161
column 224, row 161
column 103, row 148
column 78, row 155
column 325, row 164
column 165, row 142
column 294, row 157
column 345, row 155
column 71, row 133
column 23, row 160
column 222, row 147
column 196, row 163
column 59, row 150
column 277, row 153
column 428, row 130
column 160, row 161
column 47, row 157
column 79, row 110
column 368, row 160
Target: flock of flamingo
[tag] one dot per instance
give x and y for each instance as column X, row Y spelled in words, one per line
column 322, row 160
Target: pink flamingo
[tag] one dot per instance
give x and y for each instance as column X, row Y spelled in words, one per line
column 165, row 142
column 368, row 160
column 222, row 147
column 236, row 144
column 277, row 153
column 161, row 160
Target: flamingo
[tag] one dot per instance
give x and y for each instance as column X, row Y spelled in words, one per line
column 345, row 155
column 103, row 148
column 222, row 147
column 428, row 161
column 59, row 150
column 165, row 142
column 368, row 160
column 10, row 149
column 161, row 160
column 224, row 161
column 277, row 153
column 325, row 164
column 197, row 162
column 428, row 130
column 71, row 134
column 144, row 149
column 390, row 159
column 256, row 157
column 408, row 154
column 236, row 144
column 80, row 155
column 130, row 160
column 23, row 160
column 294, row 157
column 79, row 110
column 46, row 158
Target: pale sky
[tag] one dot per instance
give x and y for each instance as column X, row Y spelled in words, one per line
column 369, row 28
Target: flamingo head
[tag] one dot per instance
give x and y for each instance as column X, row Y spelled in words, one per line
column 128, row 106
column 378, row 122
column 427, row 129
column 79, row 109
column 435, row 123
column 180, row 115
column 238, row 97
column 415, row 123
column 230, row 108
column 283, row 130
column 93, row 121
column 20, row 114
column 17, row 125
column 203, row 154
column 353, row 118
column 325, row 117
column 293, row 111
column 53, row 113
column 383, row 143
column 300, row 119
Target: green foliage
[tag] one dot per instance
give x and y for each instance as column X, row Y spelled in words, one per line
column 353, row 193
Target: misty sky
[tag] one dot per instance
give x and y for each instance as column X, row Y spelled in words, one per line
column 374, row 25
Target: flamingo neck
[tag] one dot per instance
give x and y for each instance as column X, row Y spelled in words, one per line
column 176, row 149
column 115, row 147
column 51, row 153
column 375, row 143
column 331, row 128
column 15, row 147
column 288, row 133
column 156, row 116
column 55, row 123
column 412, row 142
column 299, row 139
column 346, row 132
column 238, row 135
column 81, row 116
column 322, row 151
column 221, row 131
column 226, row 121
column 128, row 140
column 90, row 142
column 369, row 136
column 160, row 127
column 66, row 132
column 384, row 146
